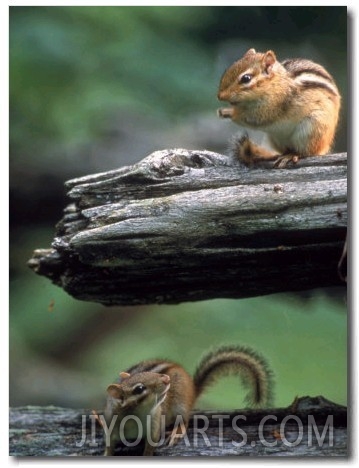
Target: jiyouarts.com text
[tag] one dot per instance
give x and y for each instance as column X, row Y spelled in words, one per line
column 270, row 431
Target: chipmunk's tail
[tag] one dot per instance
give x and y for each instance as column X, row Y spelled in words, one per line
column 247, row 151
column 237, row 360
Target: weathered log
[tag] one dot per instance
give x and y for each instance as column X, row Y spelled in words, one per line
column 186, row 225
column 309, row 427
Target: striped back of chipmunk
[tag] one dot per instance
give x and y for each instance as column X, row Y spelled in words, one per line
column 308, row 74
column 158, row 366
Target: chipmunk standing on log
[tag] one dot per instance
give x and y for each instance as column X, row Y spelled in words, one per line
column 295, row 102
column 162, row 391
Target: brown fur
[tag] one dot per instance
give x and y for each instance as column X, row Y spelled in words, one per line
column 162, row 388
column 295, row 102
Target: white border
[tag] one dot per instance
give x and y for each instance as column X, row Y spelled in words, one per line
column 242, row 462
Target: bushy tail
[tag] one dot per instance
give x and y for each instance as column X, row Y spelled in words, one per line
column 247, row 151
column 237, row 360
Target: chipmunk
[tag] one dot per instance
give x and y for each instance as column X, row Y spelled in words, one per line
column 163, row 390
column 296, row 102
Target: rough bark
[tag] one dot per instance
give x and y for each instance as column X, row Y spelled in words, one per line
column 190, row 225
column 51, row 431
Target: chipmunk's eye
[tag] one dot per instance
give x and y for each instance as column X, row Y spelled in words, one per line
column 140, row 388
column 246, row 78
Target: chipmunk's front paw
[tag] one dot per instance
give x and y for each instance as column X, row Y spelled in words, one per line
column 225, row 113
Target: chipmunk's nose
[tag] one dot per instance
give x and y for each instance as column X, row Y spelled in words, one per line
column 223, row 95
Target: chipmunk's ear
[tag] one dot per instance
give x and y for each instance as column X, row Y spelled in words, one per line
column 250, row 52
column 268, row 61
column 114, row 390
column 124, row 375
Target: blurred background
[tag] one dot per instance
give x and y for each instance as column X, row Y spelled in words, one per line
column 96, row 88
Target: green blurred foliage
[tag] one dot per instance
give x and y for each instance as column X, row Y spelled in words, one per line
column 81, row 347
column 71, row 70
column 71, row 66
